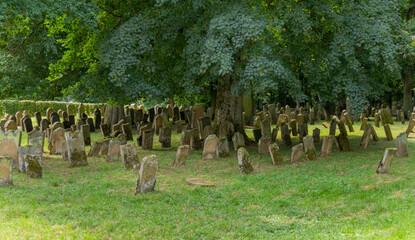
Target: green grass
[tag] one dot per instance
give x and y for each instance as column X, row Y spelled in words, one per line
column 337, row 197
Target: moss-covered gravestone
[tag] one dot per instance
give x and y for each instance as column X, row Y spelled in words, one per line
column 114, row 152
column 310, row 150
column 244, row 161
column 6, row 173
column 296, row 153
column 34, row 166
column 76, row 149
column 129, row 155
column 275, row 153
column 209, row 149
column 402, row 145
column 181, row 155
column 148, row 174
column 222, row 150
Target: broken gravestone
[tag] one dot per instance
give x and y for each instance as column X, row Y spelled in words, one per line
column 386, row 161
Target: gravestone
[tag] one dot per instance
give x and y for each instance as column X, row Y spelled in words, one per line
column 181, row 155
column 65, row 116
column 257, row 134
column 54, row 117
column 95, row 149
column 114, row 153
column 6, row 173
column 18, row 116
column 44, row 124
column 377, row 119
column 104, row 148
column 364, row 124
column 366, row 137
column 87, row 135
column 10, row 125
column 158, row 123
column 310, row 150
column 148, row 174
column 342, row 142
column 207, row 131
column 97, row 118
column 28, row 126
column 75, row 145
column 55, row 145
column 185, row 137
column 195, row 142
column 386, row 160
column 222, row 151
column 316, row 135
column 402, row 145
column 128, row 131
column 90, row 122
column 36, row 139
column 285, row 135
column 293, row 126
column 410, row 126
column 210, row 147
column 34, row 166
column 129, row 155
column 71, row 119
column 49, row 111
column 388, row 132
column 238, row 141
column 165, row 137
column 81, row 110
column 296, row 153
column 275, row 153
column 147, row 142
column 274, row 135
column 244, row 161
column 105, row 130
column 38, row 117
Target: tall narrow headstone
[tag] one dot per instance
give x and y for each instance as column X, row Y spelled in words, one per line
column 148, row 174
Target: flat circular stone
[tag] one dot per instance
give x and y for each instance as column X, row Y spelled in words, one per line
column 199, row 182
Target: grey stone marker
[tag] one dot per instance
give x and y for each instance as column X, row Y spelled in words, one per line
column 296, row 153
column 275, row 153
column 95, row 149
column 6, row 173
column 388, row 132
column 181, row 155
column 9, row 144
column 76, row 149
column 310, row 150
column 148, row 174
column 402, row 145
column 129, row 155
column 244, row 161
column 210, row 147
column 222, row 150
column 57, row 137
column 386, row 161
column 114, row 153
column 238, row 141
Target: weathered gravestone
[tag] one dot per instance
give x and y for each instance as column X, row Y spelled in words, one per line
column 386, row 160
column 105, row 130
column 388, row 132
column 9, row 144
column 310, row 150
column 36, row 139
column 114, row 153
column 195, row 142
column 6, row 173
column 222, row 151
column 157, row 124
column 54, row 117
column 128, row 131
column 296, row 153
column 402, row 145
column 95, row 149
column 165, row 137
column 28, row 125
column 129, row 155
column 10, row 125
column 238, row 141
column 22, row 152
column 265, row 140
column 316, row 135
column 244, row 161
column 65, row 152
column 181, row 155
column 90, row 122
column 327, row 145
column 49, row 111
column 285, row 135
column 210, row 147
column 81, row 110
column 410, row 126
column 364, row 124
column 87, row 135
column 34, row 166
column 148, row 174
column 76, row 149
column 104, row 148
column 97, row 118
column 147, row 142
column 275, row 153
column 342, row 142
column 185, row 138
column 293, row 126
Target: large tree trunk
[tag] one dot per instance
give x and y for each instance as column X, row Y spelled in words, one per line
column 407, row 73
column 229, row 108
column 407, row 94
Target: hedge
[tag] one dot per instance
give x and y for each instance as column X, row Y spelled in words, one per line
column 13, row 106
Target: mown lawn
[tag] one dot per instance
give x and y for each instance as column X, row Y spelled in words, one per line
column 337, row 197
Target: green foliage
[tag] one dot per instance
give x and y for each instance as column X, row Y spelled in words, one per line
column 13, row 106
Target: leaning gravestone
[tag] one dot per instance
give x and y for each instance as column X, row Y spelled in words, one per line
column 148, row 174
column 185, row 137
column 105, row 130
column 388, row 132
column 6, row 176
column 386, row 161
column 402, row 145
column 410, row 126
column 34, row 166
column 296, row 153
column 222, row 151
column 114, row 152
column 9, row 144
column 181, row 155
column 342, row 142
column 129, row 155
column 76, row 149
column 275, row 153
column 95, row 149
column 310, row 150
column 244, row 161
column 210, row 148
